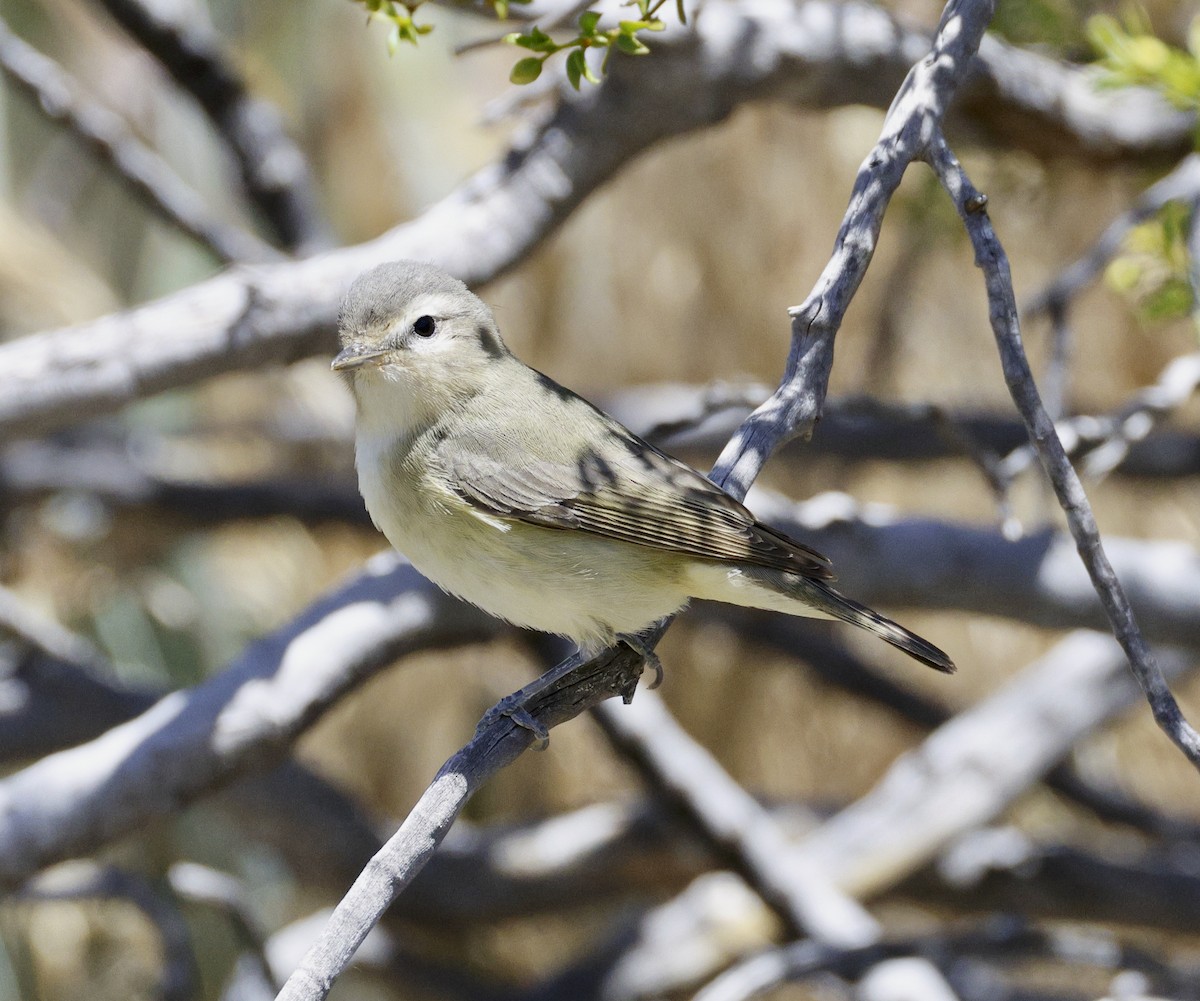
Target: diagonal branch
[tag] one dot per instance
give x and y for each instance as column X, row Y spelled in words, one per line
column 60, row 98
column 795, row 407
column 274, row 171
column 990, row 256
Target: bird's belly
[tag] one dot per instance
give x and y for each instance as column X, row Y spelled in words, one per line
column 571, row 583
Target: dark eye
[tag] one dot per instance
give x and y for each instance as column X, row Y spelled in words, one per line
column 424, row 326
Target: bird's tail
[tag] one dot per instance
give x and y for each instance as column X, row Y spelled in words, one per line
column 825, row 599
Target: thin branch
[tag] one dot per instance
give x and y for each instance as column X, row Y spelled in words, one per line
column 919, row 105
column 273, row 169
column 497, row 743
column 1181, row 184
column 61, row 99
column 991, row 258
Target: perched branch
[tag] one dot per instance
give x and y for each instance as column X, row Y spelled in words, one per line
column 274, row 171
column 816, row 55
column 497, row 743
column 991, row 258
column 60, row 98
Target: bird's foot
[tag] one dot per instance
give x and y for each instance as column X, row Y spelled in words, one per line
column 513, row 706
column 649, row 659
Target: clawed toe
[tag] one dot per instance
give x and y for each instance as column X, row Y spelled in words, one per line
column 514, row 708
column 649, row 659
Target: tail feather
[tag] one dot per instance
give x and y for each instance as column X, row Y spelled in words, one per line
column 825, row 598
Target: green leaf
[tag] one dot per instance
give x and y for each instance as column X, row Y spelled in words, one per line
column 575, row 67
column 631, row 46
column 526, row 71
column 588, row 21
column 501, row 9
column 541, row 41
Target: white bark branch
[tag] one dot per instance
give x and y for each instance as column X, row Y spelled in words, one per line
column 191, row 740
column 814, row 55
column 970, row 769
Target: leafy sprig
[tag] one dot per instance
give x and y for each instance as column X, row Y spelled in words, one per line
column 1152, row 270
column 399, row 15
column 1132, row 55
column 625, row 37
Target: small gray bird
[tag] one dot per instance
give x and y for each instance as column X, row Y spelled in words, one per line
column 515, row 494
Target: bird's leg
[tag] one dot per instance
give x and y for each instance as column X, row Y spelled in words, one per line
column 513, row 706
column 649, row 659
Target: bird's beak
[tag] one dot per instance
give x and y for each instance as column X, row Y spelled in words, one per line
column 354, row 357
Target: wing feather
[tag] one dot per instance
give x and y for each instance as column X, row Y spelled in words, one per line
column 643, row 496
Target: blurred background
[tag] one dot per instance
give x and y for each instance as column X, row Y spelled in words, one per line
column 680, row 270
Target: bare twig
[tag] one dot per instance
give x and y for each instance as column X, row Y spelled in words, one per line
column 919, row 105
column 991, row 258
column 1181, row 184
column 60, row 98
column 273, row 169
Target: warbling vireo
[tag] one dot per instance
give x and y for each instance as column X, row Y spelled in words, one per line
column 512, row 492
